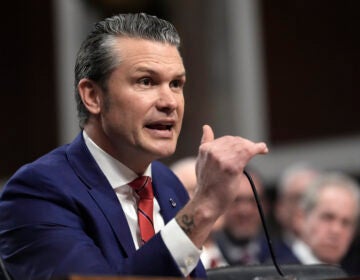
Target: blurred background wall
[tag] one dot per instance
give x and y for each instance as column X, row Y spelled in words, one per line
column 284, row 72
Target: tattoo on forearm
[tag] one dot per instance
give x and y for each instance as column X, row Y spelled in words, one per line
column 186, row 222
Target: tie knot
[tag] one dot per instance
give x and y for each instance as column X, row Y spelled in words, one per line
column 143, row 187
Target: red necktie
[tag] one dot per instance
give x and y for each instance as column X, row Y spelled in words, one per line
column 142, row 186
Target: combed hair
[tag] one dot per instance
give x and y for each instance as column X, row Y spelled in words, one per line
column 292, row 172
column 96, row 58
column 330, row 179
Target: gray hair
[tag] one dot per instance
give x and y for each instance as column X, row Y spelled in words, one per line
column 292, row 172
column 96, row 58
column 331, row 179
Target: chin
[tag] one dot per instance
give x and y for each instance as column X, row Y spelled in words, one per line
column 167, row 153
column 332, row 261
column 163, row 152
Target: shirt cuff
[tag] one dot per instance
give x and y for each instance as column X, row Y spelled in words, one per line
column 184, row 252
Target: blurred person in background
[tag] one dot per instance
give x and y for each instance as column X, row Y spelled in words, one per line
column 241, row 240
column 327, row 218
column 292, row 185
column 184, row 169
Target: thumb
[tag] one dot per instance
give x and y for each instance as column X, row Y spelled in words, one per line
column 208, row 134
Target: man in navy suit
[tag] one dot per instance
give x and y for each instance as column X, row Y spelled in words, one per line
column 72, row 211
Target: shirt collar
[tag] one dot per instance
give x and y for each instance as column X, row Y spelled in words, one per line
column 117, row 173
column 303, row 252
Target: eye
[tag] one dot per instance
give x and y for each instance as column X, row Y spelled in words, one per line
column 177, row 83
column 327, row 217
column 347, row 223
column 145, row 82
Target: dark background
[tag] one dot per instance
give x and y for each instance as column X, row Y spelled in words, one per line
column 311, row 61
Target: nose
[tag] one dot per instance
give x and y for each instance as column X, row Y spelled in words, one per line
column 168, row 100
column 245, row 205
column 336, row 228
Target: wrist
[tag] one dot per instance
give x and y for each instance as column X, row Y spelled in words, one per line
column 196, row 219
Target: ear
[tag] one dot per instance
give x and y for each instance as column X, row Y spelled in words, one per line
column 90, row 94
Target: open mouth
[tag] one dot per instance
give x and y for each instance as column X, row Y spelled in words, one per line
column 160, row 126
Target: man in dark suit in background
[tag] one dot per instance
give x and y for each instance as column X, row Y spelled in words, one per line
column 292, row 185
column 73, row 211
column 241, row 240
column 328, row 216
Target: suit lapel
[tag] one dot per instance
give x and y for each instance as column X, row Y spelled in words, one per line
column 101, row 191
column 167, row 200
column 168, row 191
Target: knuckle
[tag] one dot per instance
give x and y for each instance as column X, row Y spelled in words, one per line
column 204, row 148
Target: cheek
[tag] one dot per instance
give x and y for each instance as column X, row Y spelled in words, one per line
column 129, row 110
column 313, row 230
column 347, row 236
column 119, row 118
column 181, row 105
column 231, row 216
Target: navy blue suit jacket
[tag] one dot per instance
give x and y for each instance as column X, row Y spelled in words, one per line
column 282, row 252
column 60, row 216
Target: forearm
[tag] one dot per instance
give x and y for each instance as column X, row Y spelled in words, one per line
column 197, row 219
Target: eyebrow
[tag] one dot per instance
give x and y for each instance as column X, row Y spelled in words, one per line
column 151, row 71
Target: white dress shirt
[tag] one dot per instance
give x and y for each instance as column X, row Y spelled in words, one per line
column 303, row 252
column 184, row 252
column 212, row 257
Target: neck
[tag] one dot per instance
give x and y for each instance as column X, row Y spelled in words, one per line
column 133, row 161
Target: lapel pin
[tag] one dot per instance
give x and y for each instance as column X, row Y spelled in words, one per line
column 173, row 203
